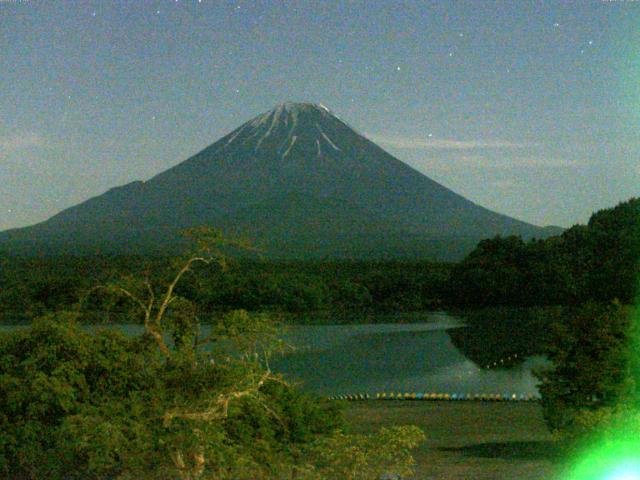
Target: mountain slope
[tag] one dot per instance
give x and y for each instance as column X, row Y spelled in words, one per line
column 298, row 180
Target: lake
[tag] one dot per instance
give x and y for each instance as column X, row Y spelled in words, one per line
column 391, row 357
column 417, row 357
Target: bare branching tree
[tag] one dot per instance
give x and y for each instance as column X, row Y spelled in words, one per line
column 209, row 247
column 250, row 339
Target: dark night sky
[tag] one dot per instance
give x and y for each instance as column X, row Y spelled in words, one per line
column 528, row 108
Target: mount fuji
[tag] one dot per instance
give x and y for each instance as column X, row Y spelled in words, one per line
column 297, row 180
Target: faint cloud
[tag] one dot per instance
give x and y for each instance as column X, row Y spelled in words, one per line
column 19, row 141
column 420, row 143
column 481, row 161
column 504, row 184
column 454, row 162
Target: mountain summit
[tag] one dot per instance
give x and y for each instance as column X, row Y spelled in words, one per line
column 299, row 181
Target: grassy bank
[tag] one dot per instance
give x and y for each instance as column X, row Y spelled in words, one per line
column 468, row 440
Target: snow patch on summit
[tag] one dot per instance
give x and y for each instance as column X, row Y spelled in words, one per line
column 235, row 135
column 327, row 138
column 293, row 141
column 274, row 121
column 284, row 124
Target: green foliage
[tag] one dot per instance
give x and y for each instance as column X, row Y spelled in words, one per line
column 597, row 262
column 508, row 271
column 504, row 336
column 108, row 406
column 102, row 405
column 592, row 354
column 338, row 289
column 81, row 405
column 364, row 457
column 53, row 372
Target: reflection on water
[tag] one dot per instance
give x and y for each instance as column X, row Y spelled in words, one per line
column 371, row 358
column 347, row 359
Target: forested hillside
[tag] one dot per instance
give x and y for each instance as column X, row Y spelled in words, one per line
column 597, row 261
column 593, row 262
column 31, row 287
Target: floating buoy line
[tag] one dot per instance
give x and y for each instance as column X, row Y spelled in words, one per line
column 507, row 361
column 480, row 397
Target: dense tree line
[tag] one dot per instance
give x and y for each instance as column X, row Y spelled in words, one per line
column 593, row 262
column 591, row 391
column 30, row 287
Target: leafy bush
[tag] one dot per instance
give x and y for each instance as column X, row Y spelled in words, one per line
column 102, row 405
column 592, row 352
column 81, row 405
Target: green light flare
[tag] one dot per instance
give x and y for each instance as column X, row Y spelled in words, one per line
column 613, row 459
column 614, row 454
column 625, row 472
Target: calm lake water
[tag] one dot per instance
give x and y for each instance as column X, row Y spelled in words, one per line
column 385, row 357
column 418, row 357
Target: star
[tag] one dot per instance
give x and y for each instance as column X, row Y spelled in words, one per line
column 398, row 68
column 93, row 14
column 451, row 54
column 556, row 25
column 461, row 35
